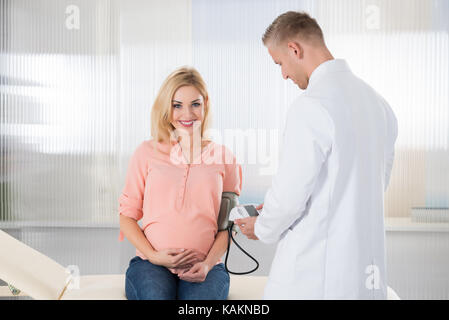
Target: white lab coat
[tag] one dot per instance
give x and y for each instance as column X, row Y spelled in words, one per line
column 326, row 202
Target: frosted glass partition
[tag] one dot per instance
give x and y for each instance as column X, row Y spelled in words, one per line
column 60, row 107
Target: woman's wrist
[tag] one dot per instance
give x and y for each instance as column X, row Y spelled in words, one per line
column 151, row 255
column 210, row 262
column 218, row 249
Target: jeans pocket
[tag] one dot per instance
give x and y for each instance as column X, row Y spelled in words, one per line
column 222, row 266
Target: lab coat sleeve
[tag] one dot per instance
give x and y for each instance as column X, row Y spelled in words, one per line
column 392, row 133
column 307, row 140
column 131, row 199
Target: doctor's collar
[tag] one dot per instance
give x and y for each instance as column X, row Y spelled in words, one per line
column 328, row 66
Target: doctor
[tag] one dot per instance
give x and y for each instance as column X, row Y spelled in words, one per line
column 325, row 205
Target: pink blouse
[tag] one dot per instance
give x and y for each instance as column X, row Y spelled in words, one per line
column 178, row 202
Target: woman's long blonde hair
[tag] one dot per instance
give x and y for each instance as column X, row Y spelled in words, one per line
column 161, row 113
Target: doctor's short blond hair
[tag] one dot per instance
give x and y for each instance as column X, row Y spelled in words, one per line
column 293, row 25
column 162, row 110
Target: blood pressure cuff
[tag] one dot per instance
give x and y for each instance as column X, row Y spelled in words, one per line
column 228, row 201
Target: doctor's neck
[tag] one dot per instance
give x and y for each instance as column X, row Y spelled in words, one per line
column 317, row 56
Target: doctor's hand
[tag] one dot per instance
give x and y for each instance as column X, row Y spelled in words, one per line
column 246, row 225
column 197, row 273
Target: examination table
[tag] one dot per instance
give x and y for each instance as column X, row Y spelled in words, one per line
column 40, row 277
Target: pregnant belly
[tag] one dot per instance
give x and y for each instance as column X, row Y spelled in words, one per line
column 162, row 236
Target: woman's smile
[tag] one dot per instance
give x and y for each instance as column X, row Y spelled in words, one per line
column 186, row 123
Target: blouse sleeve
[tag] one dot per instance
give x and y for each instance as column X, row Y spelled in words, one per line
column 131, row 198
column 233, row 176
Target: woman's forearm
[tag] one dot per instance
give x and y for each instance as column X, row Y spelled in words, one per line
column 219, row 248
column 134, row 234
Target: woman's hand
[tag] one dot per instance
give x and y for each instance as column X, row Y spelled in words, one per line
column 260, row 206
column 197, row 273
column 184, row 268
column 174, row 258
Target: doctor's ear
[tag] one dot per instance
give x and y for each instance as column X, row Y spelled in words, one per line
column 295, row 49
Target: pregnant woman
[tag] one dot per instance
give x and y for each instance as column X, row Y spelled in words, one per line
column 174, row 185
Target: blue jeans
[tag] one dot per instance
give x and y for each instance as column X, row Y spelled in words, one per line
column 147, row 281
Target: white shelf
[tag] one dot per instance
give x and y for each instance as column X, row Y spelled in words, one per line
column 56, row 224
column 391, row 224
column 406, row 224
